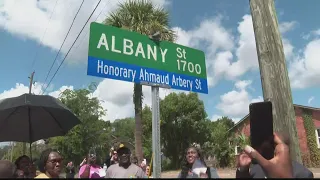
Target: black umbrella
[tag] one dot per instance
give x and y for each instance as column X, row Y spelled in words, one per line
column 28, row 118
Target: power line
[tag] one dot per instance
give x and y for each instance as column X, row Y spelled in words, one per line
column 84, row 36
column 71, row 46
column 55, row 59
column 37, row 51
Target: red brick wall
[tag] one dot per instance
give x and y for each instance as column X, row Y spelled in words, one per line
column 316, row 118
column 301, row 131
column 245, row 128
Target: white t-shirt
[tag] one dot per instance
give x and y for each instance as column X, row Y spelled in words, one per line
column 133, row 171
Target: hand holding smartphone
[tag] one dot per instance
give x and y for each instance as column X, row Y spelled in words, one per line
column 261, row 128
column 92, row 156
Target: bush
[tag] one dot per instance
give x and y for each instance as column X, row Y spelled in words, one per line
column 306, row 160
column 166, row 165
column 311, row 140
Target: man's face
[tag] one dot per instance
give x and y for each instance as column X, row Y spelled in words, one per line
column 124, row 158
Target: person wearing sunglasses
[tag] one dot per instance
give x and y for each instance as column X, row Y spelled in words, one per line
column 50, row 164
column 125, row 168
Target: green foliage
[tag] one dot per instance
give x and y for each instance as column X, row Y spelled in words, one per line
column 147, row 132
column 311, row 140
column 91, row 133
column 4, row 151
column 142, row 16
column 124, row 128
column 225, row 120
column 219, row 146
column 183, row 123
column 14, row 151
column 166, row 165
column 242, row 140
column 306, row 160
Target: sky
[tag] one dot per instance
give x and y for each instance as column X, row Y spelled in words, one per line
column 32, row 31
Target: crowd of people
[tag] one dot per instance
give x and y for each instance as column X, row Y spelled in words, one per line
column 121, row 164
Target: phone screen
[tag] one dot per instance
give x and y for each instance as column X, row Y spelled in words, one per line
column 261, row 128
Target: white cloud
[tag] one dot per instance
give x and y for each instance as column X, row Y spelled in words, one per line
column 57, row 93
column 223, row 63
column 116, row 98
column 29, row 19
column 20, row 89
column 310, row 100
column 316, row 32
column 287, row 48
column 246, row 53
column 211, row 37
column 219, row 45
column 235, row 104
column 304, row 71
column 313, row 34
column 215, row 117
column 287, row 26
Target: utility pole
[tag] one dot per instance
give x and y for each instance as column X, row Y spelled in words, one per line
column 273, row 71
column 30, row 88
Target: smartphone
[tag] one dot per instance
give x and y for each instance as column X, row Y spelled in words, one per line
column 92, row 155
column 261, row 128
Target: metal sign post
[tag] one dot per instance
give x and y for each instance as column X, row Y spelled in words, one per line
column 156, row 144
column 156, row 132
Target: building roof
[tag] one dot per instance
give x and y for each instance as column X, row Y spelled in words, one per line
column 295, row 105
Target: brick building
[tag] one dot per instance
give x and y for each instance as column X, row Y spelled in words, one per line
column 243, row 126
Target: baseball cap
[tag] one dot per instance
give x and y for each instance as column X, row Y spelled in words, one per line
column 123, row 150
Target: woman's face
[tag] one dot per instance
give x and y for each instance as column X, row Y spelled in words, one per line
column 92, row 159
column 147, row 170
column 53, row 165
column 24, row 163
column 192, row 155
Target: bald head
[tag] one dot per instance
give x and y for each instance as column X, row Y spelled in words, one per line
column 7, row 169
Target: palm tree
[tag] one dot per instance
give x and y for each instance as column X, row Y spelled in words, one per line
column 144, row 17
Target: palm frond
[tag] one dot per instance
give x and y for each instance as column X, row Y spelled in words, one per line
column 142, row 16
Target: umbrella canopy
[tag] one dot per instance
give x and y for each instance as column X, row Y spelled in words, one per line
column 28, row 118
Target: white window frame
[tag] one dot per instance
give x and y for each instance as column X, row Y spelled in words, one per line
column 317, row 137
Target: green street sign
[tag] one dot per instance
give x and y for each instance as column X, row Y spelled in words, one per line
column 129, row 56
